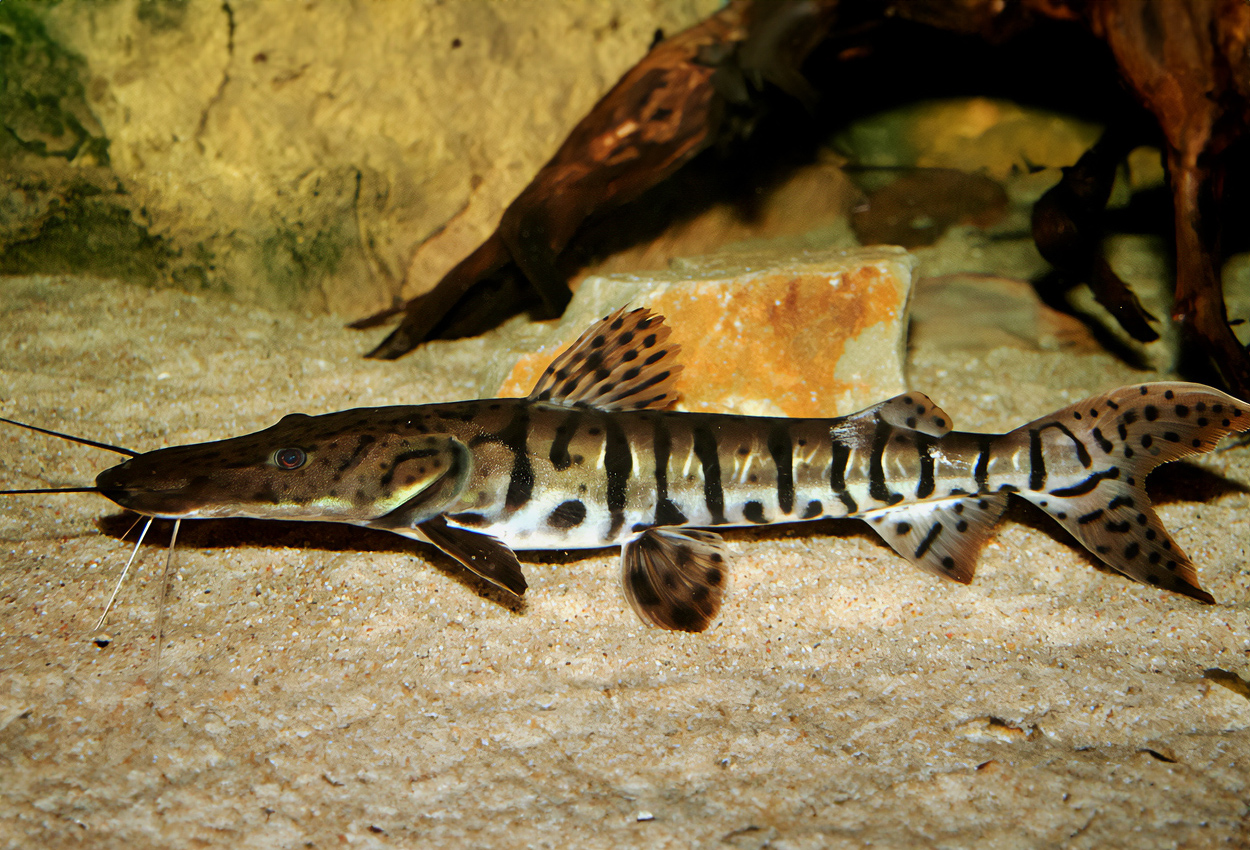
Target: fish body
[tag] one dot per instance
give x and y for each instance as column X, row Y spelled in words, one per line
column 593, row 458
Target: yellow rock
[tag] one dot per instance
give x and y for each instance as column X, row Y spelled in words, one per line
column 808, row 334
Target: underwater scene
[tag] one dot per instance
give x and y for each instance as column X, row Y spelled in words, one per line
column 736, row 565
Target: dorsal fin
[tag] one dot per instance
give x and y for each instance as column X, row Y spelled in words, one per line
column 622, row 362
column 913, row 411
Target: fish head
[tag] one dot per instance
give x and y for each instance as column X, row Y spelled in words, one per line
column 339, row 467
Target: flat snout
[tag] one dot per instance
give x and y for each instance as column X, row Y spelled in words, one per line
column 141, row 488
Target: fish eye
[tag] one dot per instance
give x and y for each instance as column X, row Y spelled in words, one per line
column 289, row 458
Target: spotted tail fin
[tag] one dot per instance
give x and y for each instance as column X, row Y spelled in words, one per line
column 1088, row 465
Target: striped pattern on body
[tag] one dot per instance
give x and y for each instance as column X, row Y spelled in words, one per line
column 586, row 478
column 593, row 458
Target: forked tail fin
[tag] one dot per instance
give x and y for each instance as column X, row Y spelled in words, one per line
column 1089, row 462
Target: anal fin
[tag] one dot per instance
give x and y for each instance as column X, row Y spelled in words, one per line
column 941, row 537
column 481, row 553
column 675, row 578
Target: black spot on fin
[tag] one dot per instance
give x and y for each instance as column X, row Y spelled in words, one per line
column 942, row 537
column 481, row 553
column 912, row 411
column 1118, row 438
column 675, row 578
column 622, row 362
column 1116, row 522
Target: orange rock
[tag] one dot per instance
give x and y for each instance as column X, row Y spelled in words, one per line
column 812, row 334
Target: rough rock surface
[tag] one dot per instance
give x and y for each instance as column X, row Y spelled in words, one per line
column 767, row 334
column 318, row 154
column 322, row 686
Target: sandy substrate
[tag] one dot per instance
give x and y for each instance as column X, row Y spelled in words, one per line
column 322, row 687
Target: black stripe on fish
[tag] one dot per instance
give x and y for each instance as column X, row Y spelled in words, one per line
column 981, row 472
column 839, row 458
column 1082, row 453
column 713, row 491
column 877, row 487
column 521, row 479
column 1037, row 462
column 1086, row 519
column 927, row 484
column 362, row 443
column 928, row 540
column 618, row 464
column 1088, row 485
column 403, row 457
column 666, row 513
column 565, row 431
column 781, row 447
column 514, row 437
column 1103, row 443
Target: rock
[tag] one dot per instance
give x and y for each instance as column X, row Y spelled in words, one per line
column 316, row 156
column 917, row 208
column 969, row 134
column 798, row 334
column 980, row 312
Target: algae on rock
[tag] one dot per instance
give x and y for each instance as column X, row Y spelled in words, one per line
column 323, row 157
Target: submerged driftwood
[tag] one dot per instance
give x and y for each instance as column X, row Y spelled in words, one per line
column 673, row 104
column 1185, row 60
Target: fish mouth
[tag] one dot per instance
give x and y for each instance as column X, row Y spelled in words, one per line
column 169, row 504
column 123, row 486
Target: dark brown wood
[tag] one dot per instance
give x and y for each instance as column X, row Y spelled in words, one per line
column 1186, row 61
column 1068, row 230
column 663, row 112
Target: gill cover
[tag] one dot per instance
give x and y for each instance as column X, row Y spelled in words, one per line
column 422, row 482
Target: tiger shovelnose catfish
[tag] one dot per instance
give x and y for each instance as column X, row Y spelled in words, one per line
column 593, row 458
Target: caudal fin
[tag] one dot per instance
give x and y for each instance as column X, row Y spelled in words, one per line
column 1089, row 464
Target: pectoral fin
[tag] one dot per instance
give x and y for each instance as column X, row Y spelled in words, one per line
column 481, row 553
column 675, row 578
